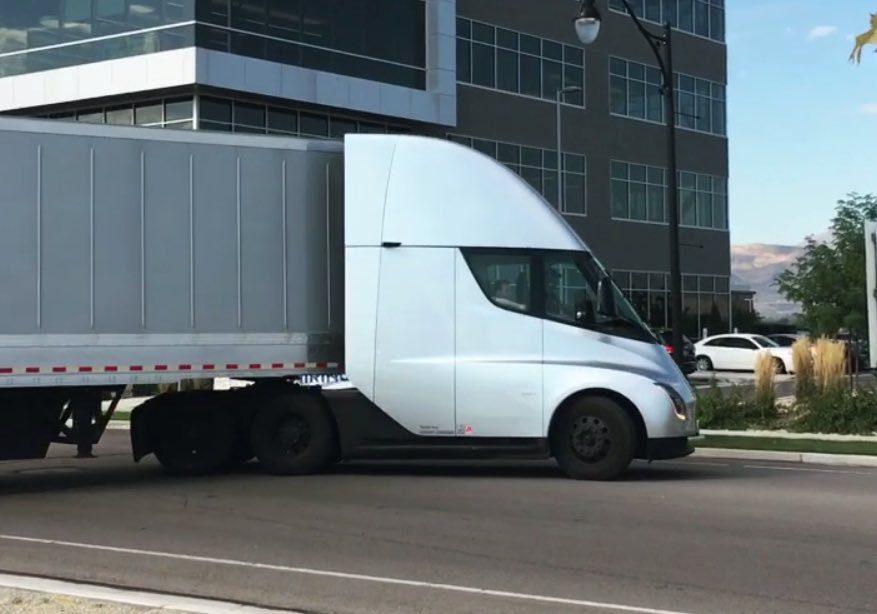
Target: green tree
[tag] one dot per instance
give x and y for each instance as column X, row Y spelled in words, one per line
column 828, row 279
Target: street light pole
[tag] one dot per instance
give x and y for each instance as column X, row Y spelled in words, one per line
column 561, row 92
column 587, row 23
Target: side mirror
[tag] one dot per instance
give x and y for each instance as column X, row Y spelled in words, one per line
column 606, row 298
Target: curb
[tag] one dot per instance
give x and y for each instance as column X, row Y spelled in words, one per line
column 788, row 435
column 804, row 458
column 156, row 601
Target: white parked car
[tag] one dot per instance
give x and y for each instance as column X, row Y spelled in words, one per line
column 739, row 352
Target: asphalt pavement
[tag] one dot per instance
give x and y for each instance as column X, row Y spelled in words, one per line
column 682, row 536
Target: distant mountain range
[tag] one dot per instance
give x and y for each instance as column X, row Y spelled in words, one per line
column 757, row 265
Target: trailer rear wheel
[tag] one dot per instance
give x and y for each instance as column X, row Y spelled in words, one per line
column 293, row 435
column 593, row 439
column 192, row 442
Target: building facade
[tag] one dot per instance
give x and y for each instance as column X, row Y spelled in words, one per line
column 484, row 73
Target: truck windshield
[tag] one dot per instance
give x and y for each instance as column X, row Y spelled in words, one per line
column 579, row 291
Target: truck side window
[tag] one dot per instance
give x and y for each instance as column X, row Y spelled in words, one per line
column 568, row 295
column 505, row 278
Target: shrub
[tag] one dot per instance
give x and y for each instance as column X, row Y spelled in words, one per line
column 802, row 363
column 838, row 410
column 765, row 374
column 717, row 410
column 829, row 364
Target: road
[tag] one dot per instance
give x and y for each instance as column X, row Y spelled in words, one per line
column 685, row 536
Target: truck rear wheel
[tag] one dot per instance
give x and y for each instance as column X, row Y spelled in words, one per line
column 192, row 442
column 293, row 435
column 593, row 439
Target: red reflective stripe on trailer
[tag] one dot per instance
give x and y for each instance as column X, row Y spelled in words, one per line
column 161, row 367
column 255, row 365
column 300, row 365
column 111, row 369
column 209, row 367
column 185, row 367
column 322, row 365
column 85, row 369
column 59, row 369
column 277, row 365
column 136, row 368
column 231, row 366
column 32, row 370
column 6, row 371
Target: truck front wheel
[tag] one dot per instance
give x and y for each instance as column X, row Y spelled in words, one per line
column 593, row 439
column 293, row 435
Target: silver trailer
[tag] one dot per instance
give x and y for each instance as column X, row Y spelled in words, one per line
column 139, row 256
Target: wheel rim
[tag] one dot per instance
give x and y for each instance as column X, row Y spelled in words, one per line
column 590, row 439
column 703, row 364
column 293, row 435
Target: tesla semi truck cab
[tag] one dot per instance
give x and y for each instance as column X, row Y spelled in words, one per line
column 479, row 322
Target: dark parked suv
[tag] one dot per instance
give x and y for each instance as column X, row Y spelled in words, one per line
column 688, row 364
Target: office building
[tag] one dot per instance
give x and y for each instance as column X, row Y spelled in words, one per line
column 484, row 73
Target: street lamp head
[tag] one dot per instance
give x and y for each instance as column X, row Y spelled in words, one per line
column 587, row 22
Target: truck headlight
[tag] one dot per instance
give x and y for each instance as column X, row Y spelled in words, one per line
column 679, row 405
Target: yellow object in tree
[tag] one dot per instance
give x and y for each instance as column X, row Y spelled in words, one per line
column 867, row 38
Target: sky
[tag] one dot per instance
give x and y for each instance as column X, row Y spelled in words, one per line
column 802, row 120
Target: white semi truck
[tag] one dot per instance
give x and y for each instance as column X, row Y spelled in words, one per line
column 471, row 321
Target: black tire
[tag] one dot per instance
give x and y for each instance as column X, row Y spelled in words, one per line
column 293, row 435
column 593, row 439
column 704, row 363
column 194, row 442
column 779, row 367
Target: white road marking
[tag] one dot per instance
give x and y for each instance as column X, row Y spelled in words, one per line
column 341, row 575
column 807, row 469
column 129, row 597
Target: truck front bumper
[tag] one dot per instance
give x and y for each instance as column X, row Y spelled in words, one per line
column 669, row 447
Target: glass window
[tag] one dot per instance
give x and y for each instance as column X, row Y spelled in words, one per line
column 573, row 285
column 510, row 154
column 505, row 279
column 507, row 38
column 701, row 18
column 531, row 75
column 464, row 28
column 483, row 65
column 249, row 116
column 214, row 109
column 91, row 117
column 178, row 109
column 689, row 207
column 483, row 33
column 312, row 124
column 339, row 127
column 552, row 50
column 636, row 96
column 574, row 194
column 686, row 15
column 530, row 44
column 656, row 203
column 552, row 78
column 638, row 201
column 507, row 70
column 150, row 113
column 464, row 61
column 620, row 206
column 618, row 95
column 121, row 116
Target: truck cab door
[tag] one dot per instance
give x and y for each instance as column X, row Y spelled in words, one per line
column 414, row 348
column 498, row 347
